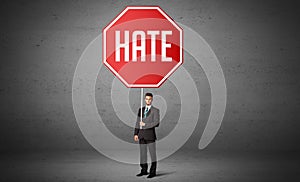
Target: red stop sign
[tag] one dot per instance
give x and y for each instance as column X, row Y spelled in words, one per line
column 142, row 46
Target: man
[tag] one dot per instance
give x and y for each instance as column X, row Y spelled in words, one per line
column 144, row 132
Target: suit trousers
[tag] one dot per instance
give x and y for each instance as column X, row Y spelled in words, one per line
column 143, row 155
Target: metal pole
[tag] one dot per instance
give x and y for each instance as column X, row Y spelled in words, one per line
column 141, row 106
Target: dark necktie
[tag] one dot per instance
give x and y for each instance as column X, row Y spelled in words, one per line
column 146, row 111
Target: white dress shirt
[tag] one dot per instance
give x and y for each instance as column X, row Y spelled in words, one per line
column 149, row 107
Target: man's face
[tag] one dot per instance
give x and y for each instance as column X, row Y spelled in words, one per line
column 148, row 100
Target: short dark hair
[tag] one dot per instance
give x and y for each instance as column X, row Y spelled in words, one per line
column 149, row 94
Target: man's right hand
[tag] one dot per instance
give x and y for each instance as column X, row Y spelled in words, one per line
column 136, row 138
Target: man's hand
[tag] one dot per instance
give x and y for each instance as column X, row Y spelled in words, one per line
column 136, row 138
column 142, row 123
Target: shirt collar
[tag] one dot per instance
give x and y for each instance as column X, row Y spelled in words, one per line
column 149, row 107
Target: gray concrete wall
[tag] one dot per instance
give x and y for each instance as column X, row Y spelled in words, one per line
column 257, row 43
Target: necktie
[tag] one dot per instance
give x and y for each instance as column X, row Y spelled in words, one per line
column 145, row 113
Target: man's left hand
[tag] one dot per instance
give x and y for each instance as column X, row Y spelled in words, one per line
column 142, row 123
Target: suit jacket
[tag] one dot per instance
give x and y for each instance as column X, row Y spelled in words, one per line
column 151, row 121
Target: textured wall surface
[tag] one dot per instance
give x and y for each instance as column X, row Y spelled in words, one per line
column 256, row 42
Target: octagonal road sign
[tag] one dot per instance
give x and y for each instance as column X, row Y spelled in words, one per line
column 142, row 46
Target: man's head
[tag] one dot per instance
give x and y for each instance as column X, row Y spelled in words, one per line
column 148, row 98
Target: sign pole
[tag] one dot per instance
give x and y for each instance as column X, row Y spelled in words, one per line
column 141, row 106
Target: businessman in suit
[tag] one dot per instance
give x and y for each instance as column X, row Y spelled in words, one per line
column 144, row 132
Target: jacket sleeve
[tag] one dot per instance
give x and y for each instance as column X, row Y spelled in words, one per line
column 155, row 122
column 137, row 124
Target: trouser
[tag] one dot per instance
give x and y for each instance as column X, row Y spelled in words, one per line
column 143, row 155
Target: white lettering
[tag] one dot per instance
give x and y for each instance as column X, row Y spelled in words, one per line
column 140, row 36
column 141, row 47
column 153, row 34
column 164, row 46
column 124, row 45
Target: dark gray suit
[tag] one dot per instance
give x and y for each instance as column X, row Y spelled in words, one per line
column 147, row 137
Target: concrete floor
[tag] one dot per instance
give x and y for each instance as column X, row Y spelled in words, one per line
column 181, row 166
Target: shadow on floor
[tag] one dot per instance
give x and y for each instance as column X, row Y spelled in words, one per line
column 164, row 173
